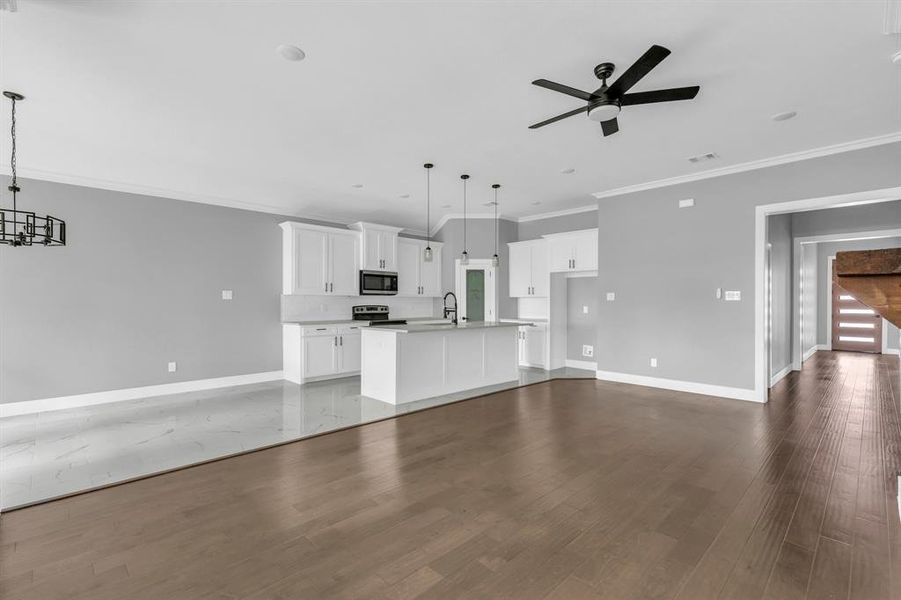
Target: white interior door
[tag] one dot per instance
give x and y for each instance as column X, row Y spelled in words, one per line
column 466, row 276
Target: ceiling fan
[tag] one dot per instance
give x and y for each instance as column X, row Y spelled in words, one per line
column 604, row 104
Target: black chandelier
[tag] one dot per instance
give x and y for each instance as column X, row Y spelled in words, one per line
column 22, row 227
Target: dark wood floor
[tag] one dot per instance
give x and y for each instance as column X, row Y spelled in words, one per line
column 563, row 490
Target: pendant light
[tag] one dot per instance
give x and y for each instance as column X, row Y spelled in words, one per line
column 22, row 227
column 464, row 258
column 495, row 260
column 427, row 255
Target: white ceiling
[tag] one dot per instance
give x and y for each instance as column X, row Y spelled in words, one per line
column 190, row 99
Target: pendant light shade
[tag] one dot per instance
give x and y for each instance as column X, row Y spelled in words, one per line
column 427, row 254
column 23, row 227
column 495, row 260
column 464, row 257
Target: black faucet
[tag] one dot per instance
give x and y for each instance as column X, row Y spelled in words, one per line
column 448, row 310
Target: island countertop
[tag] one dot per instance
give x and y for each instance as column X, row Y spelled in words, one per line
column 445, row 327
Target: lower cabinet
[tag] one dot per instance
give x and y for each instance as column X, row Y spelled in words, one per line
column 532, row 343
column 320, row 352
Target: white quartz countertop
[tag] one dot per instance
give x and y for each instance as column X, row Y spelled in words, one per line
column 358, row 322
column 427, row 327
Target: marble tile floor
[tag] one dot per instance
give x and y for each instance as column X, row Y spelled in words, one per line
column 57, row 453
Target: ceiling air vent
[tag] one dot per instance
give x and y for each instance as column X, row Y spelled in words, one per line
column 702, row 157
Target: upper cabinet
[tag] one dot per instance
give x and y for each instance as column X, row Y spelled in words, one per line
column 528, row 269
column 319, row 260
column 378, row 246
column 573, row 251
column 415, row 276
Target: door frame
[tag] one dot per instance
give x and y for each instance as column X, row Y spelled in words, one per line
column 761, row 306
column 491, row 299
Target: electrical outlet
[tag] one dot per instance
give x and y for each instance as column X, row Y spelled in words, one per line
column 584, row 310
column 654, row 362
column 226, row 294
column 173, row 367
column 611, row 296
column 587, row 350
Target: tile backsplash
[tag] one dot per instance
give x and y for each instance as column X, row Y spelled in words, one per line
column 320, row 308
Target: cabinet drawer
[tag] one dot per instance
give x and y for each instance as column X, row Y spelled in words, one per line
column 318, row 330
column 349, row 329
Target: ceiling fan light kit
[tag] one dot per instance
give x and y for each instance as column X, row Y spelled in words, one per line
column 604, row 104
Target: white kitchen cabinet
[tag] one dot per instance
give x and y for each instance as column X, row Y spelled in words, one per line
column 321, row 261
column 378, row 246
column 319, row 355
column 528, row 269
column 573, row 251
column 320, row 352
column 532, row 343
column 415, row 276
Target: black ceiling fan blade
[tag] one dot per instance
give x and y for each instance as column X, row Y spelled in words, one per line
column 609, row 127
column 669, row 95
column 559, row 117
column 563, row 89
column 639, row 69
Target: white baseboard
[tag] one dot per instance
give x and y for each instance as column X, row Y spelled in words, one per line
column 681, row 386
column 777, row 377
column 13, row 409
column 810, row 351
column 581, row 364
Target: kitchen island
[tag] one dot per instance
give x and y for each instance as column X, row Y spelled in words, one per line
column 410, row 362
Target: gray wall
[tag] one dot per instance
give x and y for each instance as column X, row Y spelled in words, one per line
column 867, row 217
column 779, row 236
column 824, row 277
column 139, row 284
column 531, row 230
column 669, row 261
column 581, row 328
column 480, row 241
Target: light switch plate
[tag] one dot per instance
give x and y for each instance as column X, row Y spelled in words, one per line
column 226, row 294
column 719, row 293
column 687, row 203
column 584, row 310
column 611, row 296
column 654, row 362
column 587, row 350
column 172, row 367
column 733, row 295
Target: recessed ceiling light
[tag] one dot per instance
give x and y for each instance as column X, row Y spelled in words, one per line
column 536, row 203
column 445, row 206
column 290, row 52
column 568, row 171
column 785, row 116
column 358, row 185
column 492, row 203
column 896, row 57
column 405, row 195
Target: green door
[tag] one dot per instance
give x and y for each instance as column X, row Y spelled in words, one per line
column 475, row 295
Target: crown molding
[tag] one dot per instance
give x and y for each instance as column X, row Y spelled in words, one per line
column 558, row 213
column 451, row 216
column 753, row 165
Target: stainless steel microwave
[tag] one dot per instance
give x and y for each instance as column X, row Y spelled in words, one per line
column 378, row 283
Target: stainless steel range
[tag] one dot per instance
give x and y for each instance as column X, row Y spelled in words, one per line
column 376, row 314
